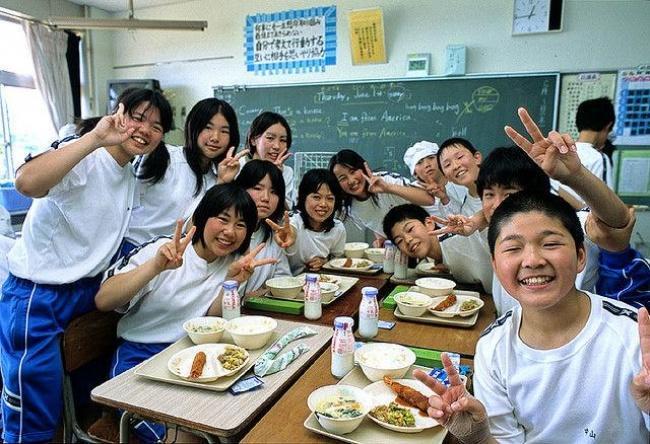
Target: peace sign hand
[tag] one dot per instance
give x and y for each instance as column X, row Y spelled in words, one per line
column 641, row 382
column 556, row 155
column 112, row 129
column 229, row 166
column 285, row 235
column 242, row 269
column 282, row 157
column 455, row 223
column 170, row 254
column 375, row 183
column 453, row 407
column 434, row 189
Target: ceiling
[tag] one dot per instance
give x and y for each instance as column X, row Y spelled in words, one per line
column 121, row 5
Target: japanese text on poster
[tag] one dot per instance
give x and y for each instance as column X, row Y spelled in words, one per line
column 367, row 36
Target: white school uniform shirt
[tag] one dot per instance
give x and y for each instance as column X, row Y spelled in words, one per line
column 287, row 175
column 585, row 280
column 368, row 214
column 74, row 231
column 158, row 206
column 262, row 274
column 310, row 244
column 455, row 194
column 595, row 161
column 577, row 393
column 157, row 312
column 468, row 258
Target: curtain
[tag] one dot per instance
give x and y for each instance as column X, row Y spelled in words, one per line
column 48, row 49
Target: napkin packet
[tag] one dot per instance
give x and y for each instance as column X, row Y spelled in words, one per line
column 441, row 374
column 269, row 362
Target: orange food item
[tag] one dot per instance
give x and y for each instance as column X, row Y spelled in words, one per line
column 445, row 303
column 347, row 263
column 197, row 365
column 408, row 394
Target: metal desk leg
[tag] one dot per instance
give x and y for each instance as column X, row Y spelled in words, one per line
column 125, row 422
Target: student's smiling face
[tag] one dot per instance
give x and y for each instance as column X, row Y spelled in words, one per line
column 352, row 181
column 412, row 238
column 320, row 205
column 459, row 165
column 214, row 139
column 271, row 143
column 265, row 197
column 223, row 235
column 535, row 260
column 148, row 129
column 493, row 196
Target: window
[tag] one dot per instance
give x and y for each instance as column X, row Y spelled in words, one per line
column 25, row 125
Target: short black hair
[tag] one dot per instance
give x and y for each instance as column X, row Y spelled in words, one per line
column 310, row 183
column 595, row 114
column 530, row 201
column 451, row 142
column 511, row 167
column 197, row 119
column 263, row 122
column 217, row 200
column 253, row 173
column 401, row 213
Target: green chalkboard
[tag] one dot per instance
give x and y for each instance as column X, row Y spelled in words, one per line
column 381, row 119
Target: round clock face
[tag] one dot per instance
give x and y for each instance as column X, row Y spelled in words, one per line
column 530, row 16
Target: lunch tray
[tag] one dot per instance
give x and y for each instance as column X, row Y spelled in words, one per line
column 376, row 268
column 156, row 367
column 430, row 318
column 412, row 275
column 370, row 432
column 345, row 283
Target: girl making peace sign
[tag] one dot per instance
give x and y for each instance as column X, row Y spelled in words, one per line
column 84, row 197
column 166, row 282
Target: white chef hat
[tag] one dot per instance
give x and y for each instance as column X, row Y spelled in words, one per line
column 419, row 151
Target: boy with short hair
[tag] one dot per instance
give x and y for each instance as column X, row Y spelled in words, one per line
column 536, row 375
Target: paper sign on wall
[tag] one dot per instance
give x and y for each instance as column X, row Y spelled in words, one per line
column 367, row 36
column 633, row 107
column 576, row 88
column 291, row 41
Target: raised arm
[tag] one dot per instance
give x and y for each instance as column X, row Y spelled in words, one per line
column 558, row 157
column 641, row 383
column 119, row 289
column 418, row 196
column 36, row 177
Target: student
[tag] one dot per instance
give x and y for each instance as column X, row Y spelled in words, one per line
column 368, row 196
column 83, row 198
column 269, row 138
column 172, row 180
column 319, row 235
column 263, row 181
column 459, row 161
column 595, row 119
column 539, row 370
column 167, row 281
column 421, row 159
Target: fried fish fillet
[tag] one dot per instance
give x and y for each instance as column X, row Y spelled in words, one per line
column 408, row 394
column 197, row 365
column 445, row 303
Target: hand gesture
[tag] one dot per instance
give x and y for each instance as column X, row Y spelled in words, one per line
column 375, row 183
column 378, row 242
column 229, row 166
column 285, row 235
column 556, row 155
column 113, row 129
column 170, row 255
column 641, row 382
column 315, row 263
column 453, row 407
column 454, row 223
column 242, row 269
column 282, row 157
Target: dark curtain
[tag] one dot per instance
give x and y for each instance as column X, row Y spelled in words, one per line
column 74, row 69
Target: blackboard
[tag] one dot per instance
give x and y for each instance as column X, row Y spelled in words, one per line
column 381, row 119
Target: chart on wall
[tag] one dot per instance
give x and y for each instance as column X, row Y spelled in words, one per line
column 633, row 107
column 575, row 89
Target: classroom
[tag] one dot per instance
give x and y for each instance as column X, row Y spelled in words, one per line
column 346, row 221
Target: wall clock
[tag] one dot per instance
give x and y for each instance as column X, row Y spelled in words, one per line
column 536, row 16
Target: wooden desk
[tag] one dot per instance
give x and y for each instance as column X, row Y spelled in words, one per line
column 283, row 423
column 346, row 305
column 437, row 337
column 215, row 413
